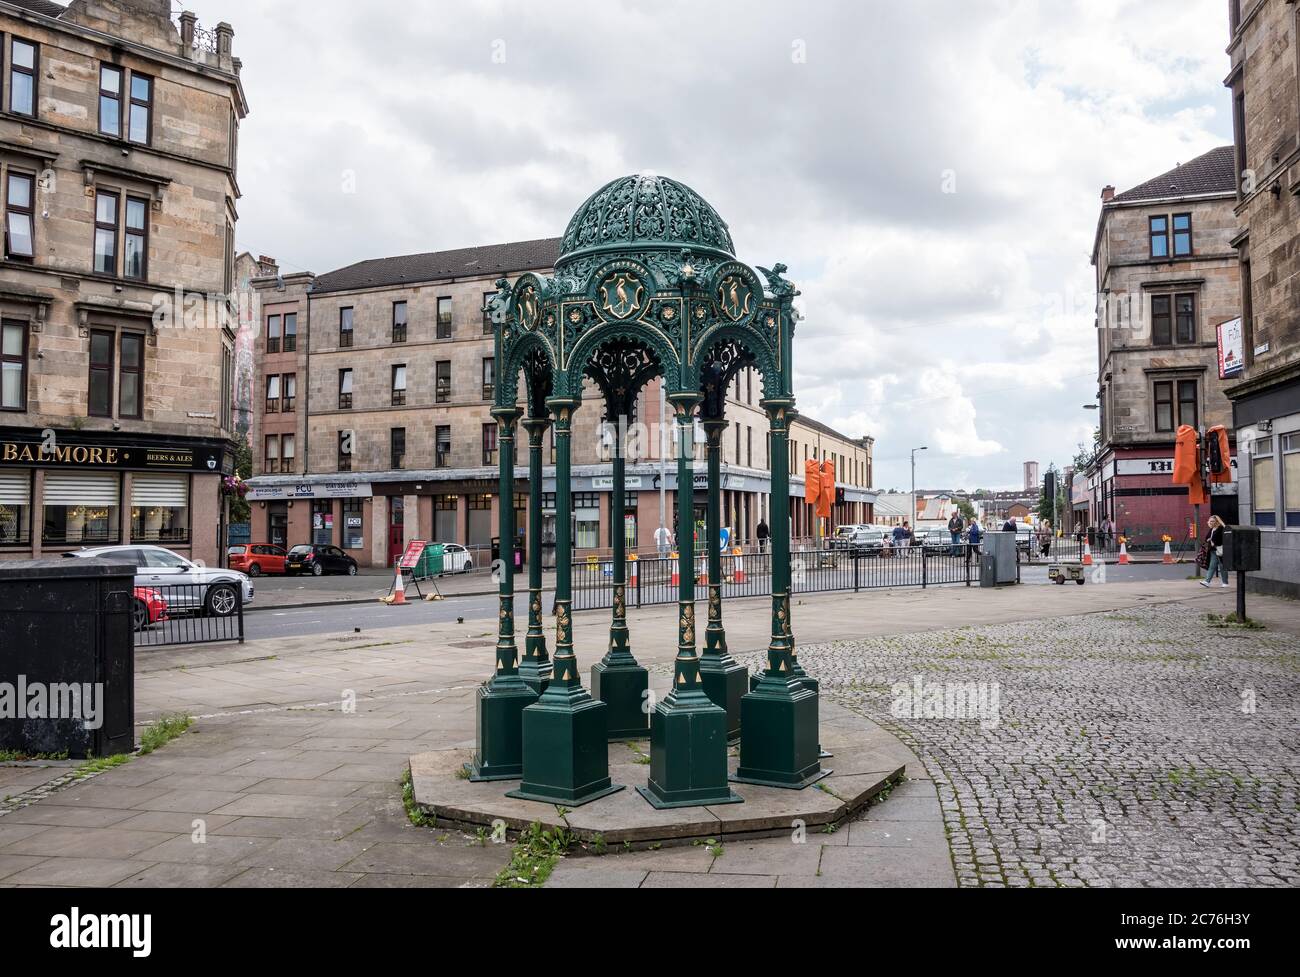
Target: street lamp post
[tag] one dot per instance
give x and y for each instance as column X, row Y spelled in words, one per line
column 1100, row 504
column 914, row 451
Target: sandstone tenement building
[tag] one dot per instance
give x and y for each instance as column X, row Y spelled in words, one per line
column 1265, row 85
column 1167, row 279
column 118, row 142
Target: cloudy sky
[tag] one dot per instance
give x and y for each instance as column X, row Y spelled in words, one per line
column 929, row 170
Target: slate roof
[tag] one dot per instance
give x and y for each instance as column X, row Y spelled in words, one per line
column 40, row 7
column 1213, row 172
column 491, row 259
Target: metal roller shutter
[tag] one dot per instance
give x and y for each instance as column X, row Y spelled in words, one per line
column 15, row 488
column 82, row 488
column 160, row 490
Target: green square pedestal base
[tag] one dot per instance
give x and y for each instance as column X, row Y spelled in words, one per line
column 623, row 690
column 498, row 720
column 566, row 752
column 725, row 683
column 688, row 754
column 778, row 738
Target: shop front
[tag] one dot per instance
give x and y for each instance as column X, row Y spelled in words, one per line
column 325, row 512
column 1135, row 491
column 65, row 490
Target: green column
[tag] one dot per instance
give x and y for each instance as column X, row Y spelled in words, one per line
column 566, row 753
column 724, row 679
column 688, row 733
column 778, row 732
column 501, row 700
column 535, row 669
column 617, row 680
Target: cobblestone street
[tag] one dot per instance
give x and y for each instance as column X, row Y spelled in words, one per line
column 1135, row 747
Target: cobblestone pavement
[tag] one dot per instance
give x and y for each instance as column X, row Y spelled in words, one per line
column 1140, row 747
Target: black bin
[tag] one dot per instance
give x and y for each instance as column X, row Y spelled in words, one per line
column 66, row 642
column 1241, row 548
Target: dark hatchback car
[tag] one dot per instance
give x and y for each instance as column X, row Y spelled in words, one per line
column 318, row 560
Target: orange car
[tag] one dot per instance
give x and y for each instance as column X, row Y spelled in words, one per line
column 256, row 559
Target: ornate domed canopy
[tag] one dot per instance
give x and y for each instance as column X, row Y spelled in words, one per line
column 645, row 211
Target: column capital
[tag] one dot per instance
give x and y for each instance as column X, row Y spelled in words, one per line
column 562, row 408
column 536, row 427
column 714, row 429
column 684, row 404
column 780, row 411
column 506, row 418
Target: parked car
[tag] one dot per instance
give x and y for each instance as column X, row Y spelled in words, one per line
column 866, row 541
column 933, row 540
column 186, row 585
column 843, row 538
column 318, row 560
column 148, row 607
column 456, row 559
column 256, row 559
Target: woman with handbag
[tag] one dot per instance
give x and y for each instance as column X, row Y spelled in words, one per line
column 1214, row 546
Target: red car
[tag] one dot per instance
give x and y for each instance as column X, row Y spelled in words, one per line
column 148, row 607
column 256, row 559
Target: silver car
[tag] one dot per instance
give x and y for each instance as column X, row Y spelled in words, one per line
column 185, row 585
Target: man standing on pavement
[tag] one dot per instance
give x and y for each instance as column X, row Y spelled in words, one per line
column 763, row 534
column 955, row 526
column 663, row 541
column 976, row 537
column 902, row 535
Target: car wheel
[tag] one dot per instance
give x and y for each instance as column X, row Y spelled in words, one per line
column 222, row 601
column 139, row 614
column 255, row 570
column 469, row 565
column 317, row 569
column 352, row 569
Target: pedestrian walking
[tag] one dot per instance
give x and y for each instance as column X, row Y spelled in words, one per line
column 764, row 534
column 955, row 527
column 1045, row 538
column 663, row 541
column 975, row 536
column 1214, row 539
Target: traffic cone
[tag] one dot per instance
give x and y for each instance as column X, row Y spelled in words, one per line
column 1168, row 557
column 677, row 577
column 738, row 569
column 399, row 590
column 1123, row 552
column 1087, row 554
column 631, row 573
